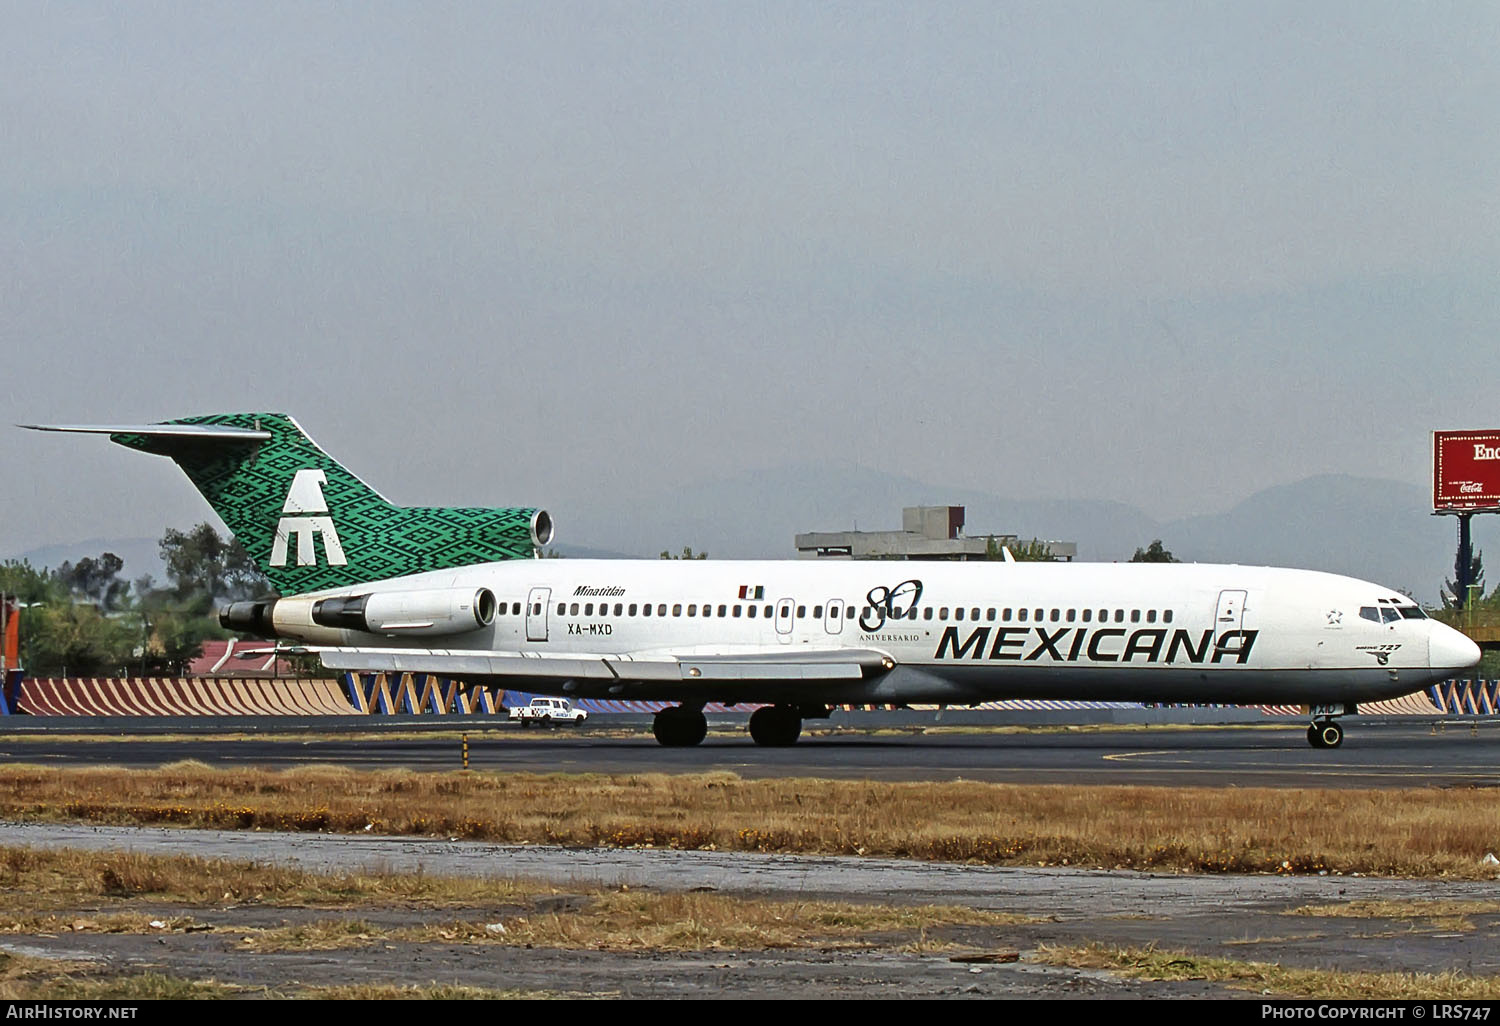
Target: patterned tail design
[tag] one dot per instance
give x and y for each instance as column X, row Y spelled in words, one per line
column 311, row 525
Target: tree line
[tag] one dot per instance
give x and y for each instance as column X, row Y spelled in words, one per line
column 84, row 620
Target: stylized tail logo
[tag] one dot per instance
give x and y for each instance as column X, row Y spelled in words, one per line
column 305, row 498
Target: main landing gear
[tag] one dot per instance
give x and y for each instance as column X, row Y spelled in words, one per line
column 680, row 726
column 1325, row 734
column 776, row 726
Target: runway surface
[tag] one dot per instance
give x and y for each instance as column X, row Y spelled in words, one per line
column 1376, row 753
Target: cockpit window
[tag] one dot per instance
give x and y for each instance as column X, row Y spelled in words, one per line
column 1388, row 614
column 1369, row 613
column 1413, row 613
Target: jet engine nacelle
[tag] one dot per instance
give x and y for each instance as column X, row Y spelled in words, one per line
column 424, row 613
column 434, row 611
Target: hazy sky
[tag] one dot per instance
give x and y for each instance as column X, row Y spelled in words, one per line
column 569, row 254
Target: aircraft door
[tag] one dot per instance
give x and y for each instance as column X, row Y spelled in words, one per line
column 833, row 621
column 1230, row 615
column 785, row 616
column 536, row 614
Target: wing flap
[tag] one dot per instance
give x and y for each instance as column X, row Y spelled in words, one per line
column 845, row 664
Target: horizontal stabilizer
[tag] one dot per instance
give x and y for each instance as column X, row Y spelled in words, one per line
column 186, row 432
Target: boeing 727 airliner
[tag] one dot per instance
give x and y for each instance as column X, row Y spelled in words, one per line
column 371, row 586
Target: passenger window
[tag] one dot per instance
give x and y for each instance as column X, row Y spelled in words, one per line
column 750, row 612
column 1021, row 615
column 974, row 614
column 1072, row 615
column 768, row 612
column 1005, row 615
column 1150, row 616
column 632, row 608
column 1088, row 616
column 738, row 610
column 1119, row 616
column 677, row 609
column 722, row 610
column 849, row 611
column 646, row 609
column 989, row 614
column 1040, row 615
column 943, row 613
column 562, row 609
column 1056, row 615
column 1135, row 616
column 588, row 609
column 927, row 612
column 801, row 612
column 692, row 610
column 817, row 612
column 661, row 609
column 574, row 609
column 959, row 613
column 1166, row 616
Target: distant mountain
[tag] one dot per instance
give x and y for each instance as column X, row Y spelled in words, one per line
column 141, row 555
column 757, row 514
column 1365, row 527
column 584, row 552
column 1374, row 529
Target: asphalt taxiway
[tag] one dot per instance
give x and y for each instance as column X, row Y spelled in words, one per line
column 1377, row 753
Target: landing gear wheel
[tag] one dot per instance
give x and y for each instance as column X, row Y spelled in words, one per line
column 1326, row 734
column 676, row 727
column 775, row 726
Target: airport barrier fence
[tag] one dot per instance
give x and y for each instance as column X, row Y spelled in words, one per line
column 381, row 694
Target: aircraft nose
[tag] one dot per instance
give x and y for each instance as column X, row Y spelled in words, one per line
column 1450, row 649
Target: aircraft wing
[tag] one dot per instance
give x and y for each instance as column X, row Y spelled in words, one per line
column 781, row 664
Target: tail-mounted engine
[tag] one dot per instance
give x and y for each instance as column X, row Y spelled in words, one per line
column 428, row 612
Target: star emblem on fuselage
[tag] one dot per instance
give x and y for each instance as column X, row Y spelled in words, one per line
column 1335, row 617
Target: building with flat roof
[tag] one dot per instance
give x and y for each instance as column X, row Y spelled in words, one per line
column 927, row 532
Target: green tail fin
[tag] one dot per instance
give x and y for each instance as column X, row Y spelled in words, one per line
column 310, row 524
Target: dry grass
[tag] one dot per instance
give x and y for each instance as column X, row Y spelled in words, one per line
column 45, row 890
column 1152, row 964
column 34, row 882
column 1415, row 832
column 627, row 920
column 1378, row 909
column 24, row 978
column 433, row 992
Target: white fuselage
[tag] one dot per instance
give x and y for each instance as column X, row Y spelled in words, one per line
column 950, row 632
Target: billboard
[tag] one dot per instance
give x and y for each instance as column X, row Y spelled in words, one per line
column 1465, row 470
